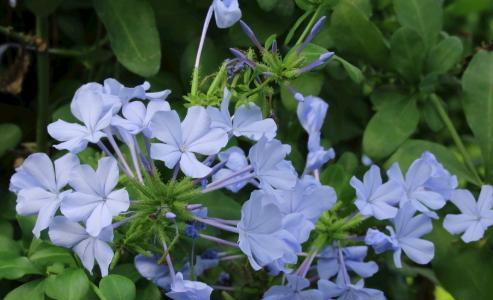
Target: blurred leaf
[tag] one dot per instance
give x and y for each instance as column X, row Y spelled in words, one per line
column 42, row 8
column 407, row 53
column 354, row 33
column 382, row 96
column 424, row 16
column 133, row 34
column 16, row 267
column 10, row 135
column 389, row 128
column 477, row 84
column 444, row 55
column 45, row 253
column 127, row 270
column 412, row 149
column 464, row 270
column 308, row 84
column 64, row 113
column 117, row 287
column 267, row 5
column 9, row 247
column 32, row 290
column 219, row 205
column 431, row 117
column 72, row 284
column 353, row 72
column 149, row 292
column 6, row 229
column 467, row 7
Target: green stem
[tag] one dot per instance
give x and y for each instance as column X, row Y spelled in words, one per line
column 309, row 26
column 43, row 77
column 455, row 136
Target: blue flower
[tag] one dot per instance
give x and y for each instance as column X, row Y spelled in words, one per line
column 39, row 186
column 235, row 160
column 374, row 198
column 226, row 12
column 261, row 235
column 295, row 289
column 311, row 113
column 68, row 234
column 269, row 166
column 302, row 206
column 380, row 241
column 406, row 236
column 151, row 270
column 475, row 217
column 188, row 290
column 328, row 264
column 180, row 142
column 89, row 108
column 247, row 120
column 94, row 200
column 317, row 155
column 125, row 94
column 137, row 117
column 343, row 289
column 208, row 260
column 422, row 174
column 440, row 181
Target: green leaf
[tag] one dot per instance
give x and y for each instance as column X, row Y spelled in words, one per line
column 220, row 205
column 46, row 254
column 10, row 135
column 72, row 284
column 64, row 113
column 267, row 5
column 354, row 33
column 389, row 128
column 412, row 149
column 477, row 84
column 407, row 53
column 467, row 7
column 353, row 72
column 149, row 292
column 308, row 84
column 424, row 16
column 465, row 271
column 384, row 95
column 33, row 290
column 16, row 267
column 9, row 247
column 133, row 34
column 444, row 55
column 42, row 8
column 117, row 287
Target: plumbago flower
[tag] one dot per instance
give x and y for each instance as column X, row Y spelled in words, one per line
column 88, row 247
column 39, row 185
column 180, row 141
column 247, row 120
column 475, row 217
column 329, row 262
column 94, row 200
column 295, row 289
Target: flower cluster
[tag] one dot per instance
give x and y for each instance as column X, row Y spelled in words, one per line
column 157, row 164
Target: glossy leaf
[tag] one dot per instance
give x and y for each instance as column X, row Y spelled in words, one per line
column 32, row 290
column 389, row 128
column 117, row 287
column 16, row 267
column 133, row 34
column 477, row 84
column 70, row 285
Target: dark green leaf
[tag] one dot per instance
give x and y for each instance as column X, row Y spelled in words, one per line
column 46, row 254
column 42, row 8
column 133, row 34
column 149, row 292
column 385, row 95
column 267, row 5
column 413, row 149
column 10, row 135
column 16, row 267
column 389, row 128
column 72, row 284
column 220, row 205
column 9, row 247
column 117, row 287
column 464, row 270
column 407, row 53
column 353, row 72
column 477, row 84
column 354, row 33
column 33, row 290
column 467, row 7
column 444, row 55
column 424, row 16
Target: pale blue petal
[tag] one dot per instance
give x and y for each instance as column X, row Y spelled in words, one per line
column 456, row 224
column 79, row 206
column 191, row 167
column 117, row 202
column 311, row 113
column 188, row 290
column 418, row 250
column 210, row 143
column 64, row 166
column 170, row 154
column 248, row 122
column 45, row 217
column 65, row 233
column 103, row 255
column 40, row 168
column 107, row 175
column 99, row 218
column 166, row 127
column 226, row 12
column 474, row 233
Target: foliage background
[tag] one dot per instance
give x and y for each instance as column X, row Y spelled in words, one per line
column 417, row 75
